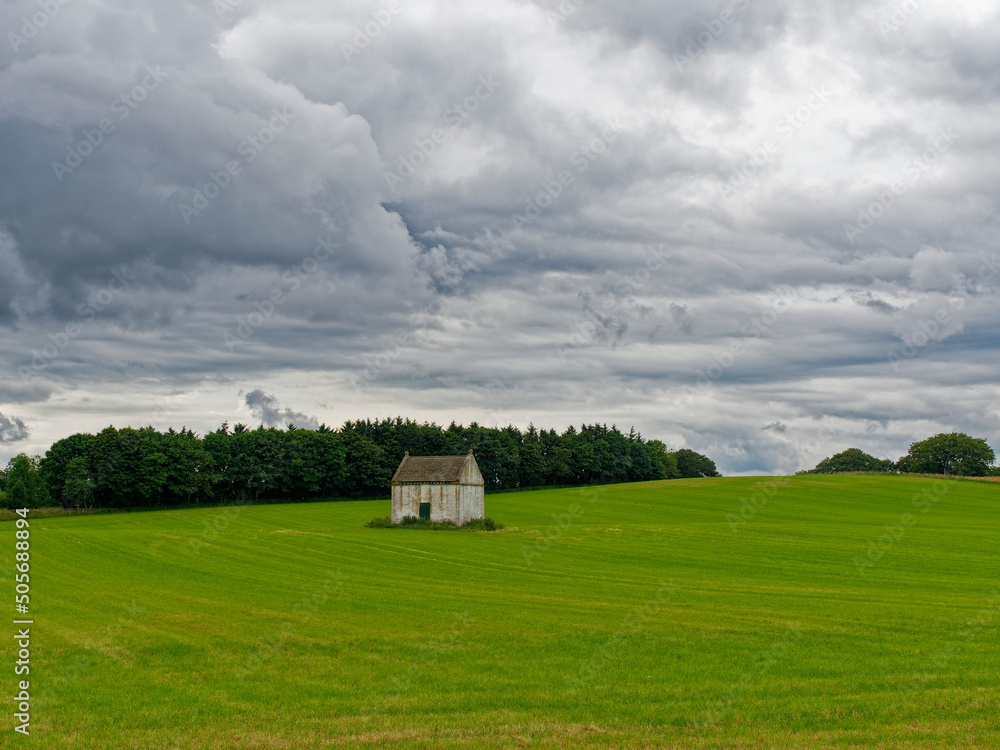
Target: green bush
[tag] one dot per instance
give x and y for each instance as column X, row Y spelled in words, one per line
column 482, row 524
column 411, row 522
column 853, row 459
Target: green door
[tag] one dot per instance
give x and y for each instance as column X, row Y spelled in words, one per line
column 425, row 511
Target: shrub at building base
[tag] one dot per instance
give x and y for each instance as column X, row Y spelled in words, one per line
column 410, row 522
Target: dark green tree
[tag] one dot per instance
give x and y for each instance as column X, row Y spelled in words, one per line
column 78, row 487
column 369, row 469
column 55, row 463
column 557, row 450
column 532, row 459
column 853, row 459
column 143, row 467
column 496, row 454
column 666, row 459
column 313, row 466
column 24, row 487
column 949, row 453
column 691, row 464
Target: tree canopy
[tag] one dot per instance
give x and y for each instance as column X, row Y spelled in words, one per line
column 131, row 467
column 950, row 453
column 691, row 464
column 22, row 487
column 853, row 459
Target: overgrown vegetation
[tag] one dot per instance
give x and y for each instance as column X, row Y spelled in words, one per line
column 411, row 522
column 134, row 468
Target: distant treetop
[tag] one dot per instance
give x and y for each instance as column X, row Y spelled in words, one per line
column 952, row 453
column 853, row 459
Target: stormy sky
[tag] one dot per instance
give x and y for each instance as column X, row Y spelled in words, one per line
column 762, row 229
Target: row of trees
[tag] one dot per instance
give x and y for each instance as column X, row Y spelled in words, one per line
column 952, row 453
column 145, row 467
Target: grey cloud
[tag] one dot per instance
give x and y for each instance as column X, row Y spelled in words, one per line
column 933, row 269
column 266, row 409
column 683, row 317
column 12, row 429
column 431, row 289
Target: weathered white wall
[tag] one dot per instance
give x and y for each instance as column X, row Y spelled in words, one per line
column 470, row 474
column 449, row 502
column 471, row 502
column 402, row 503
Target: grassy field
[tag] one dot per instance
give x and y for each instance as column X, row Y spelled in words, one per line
column 802, row 612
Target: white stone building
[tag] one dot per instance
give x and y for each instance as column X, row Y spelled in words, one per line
column 439, row 488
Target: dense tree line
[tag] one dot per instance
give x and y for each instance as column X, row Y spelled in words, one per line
column 952, row 453
column 144, row 467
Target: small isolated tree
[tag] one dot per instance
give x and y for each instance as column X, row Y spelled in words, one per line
column 691, row 464
column 24, row 488
column 853, row 459
column 949, row 453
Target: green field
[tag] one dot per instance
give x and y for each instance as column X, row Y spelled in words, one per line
column 623, row 616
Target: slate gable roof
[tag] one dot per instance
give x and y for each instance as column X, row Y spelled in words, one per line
column 429, row 469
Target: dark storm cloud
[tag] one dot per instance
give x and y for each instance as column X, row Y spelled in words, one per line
column 172, row 158
column 561, row 211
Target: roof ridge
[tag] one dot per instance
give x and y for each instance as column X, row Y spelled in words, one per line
column 431, row 468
